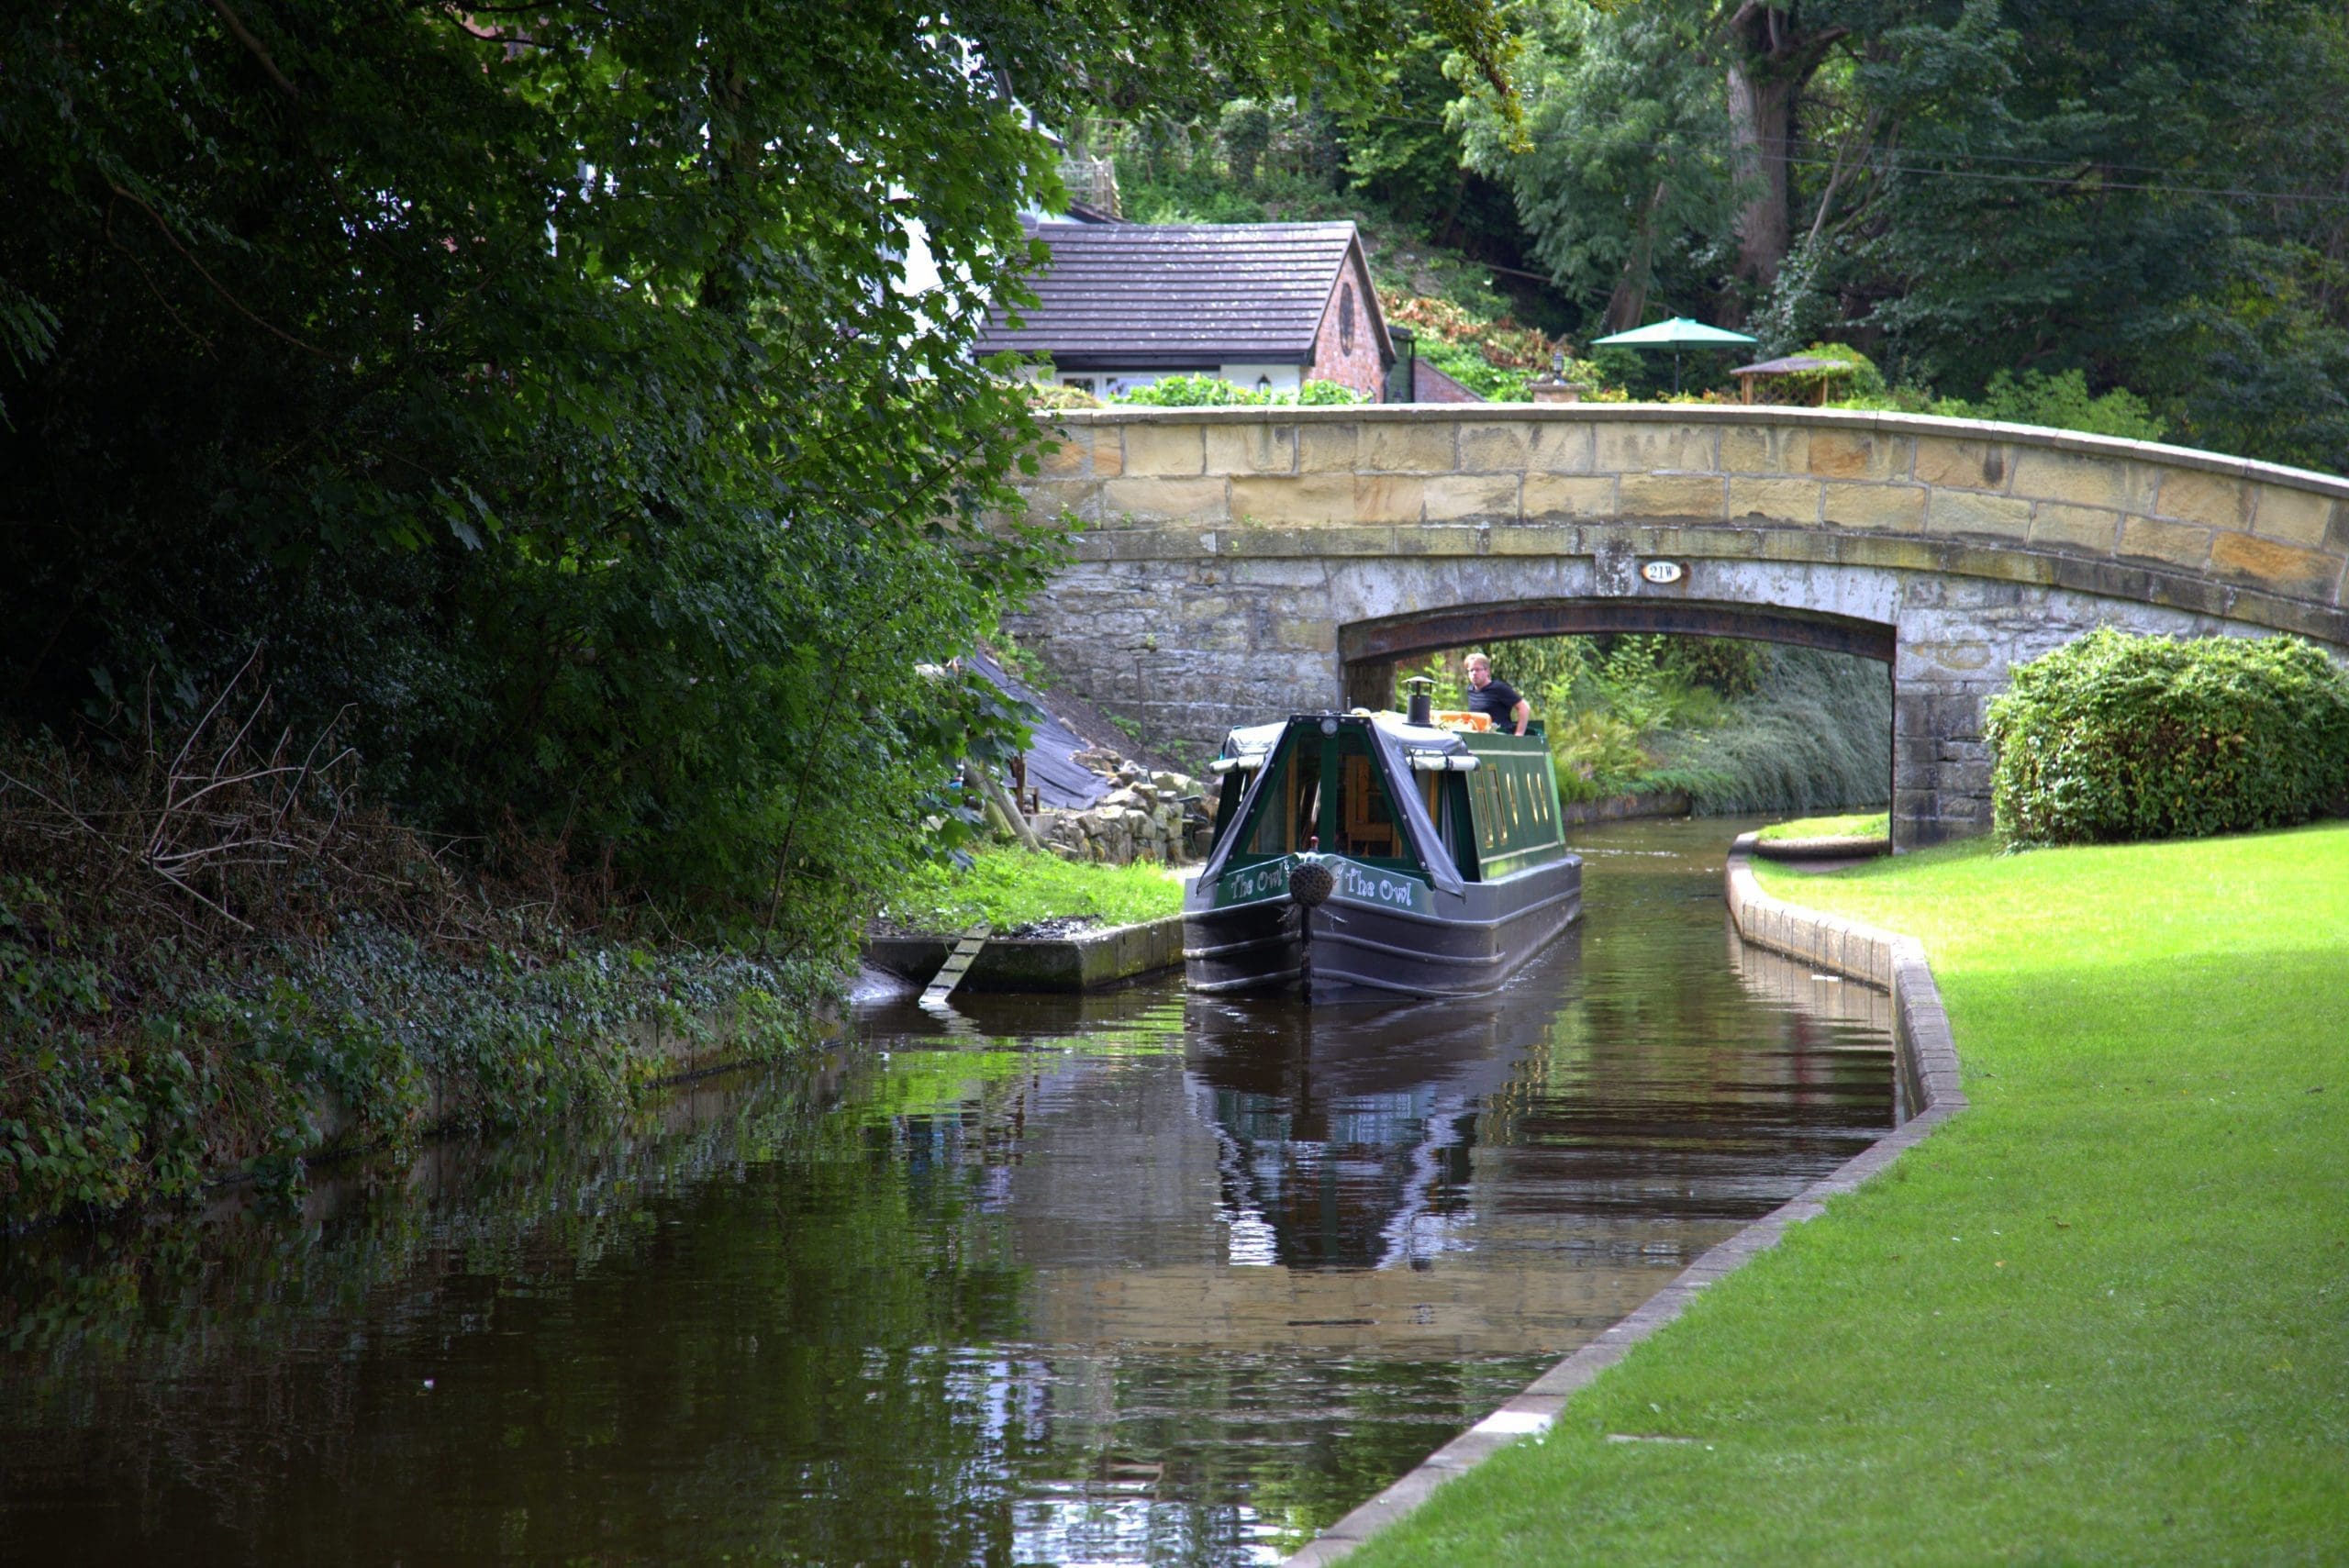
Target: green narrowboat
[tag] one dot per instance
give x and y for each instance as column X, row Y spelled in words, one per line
column 1363, row 853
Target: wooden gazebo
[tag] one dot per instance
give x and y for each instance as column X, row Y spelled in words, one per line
column 1820, row 371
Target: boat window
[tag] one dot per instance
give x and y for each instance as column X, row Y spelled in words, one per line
column 1284, row 824
column 1366, row 826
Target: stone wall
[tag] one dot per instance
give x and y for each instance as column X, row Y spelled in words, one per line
column 1223, row 552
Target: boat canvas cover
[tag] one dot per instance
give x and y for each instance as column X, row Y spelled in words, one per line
column 1393, row 742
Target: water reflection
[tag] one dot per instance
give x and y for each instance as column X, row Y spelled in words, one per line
column 1133, row 1278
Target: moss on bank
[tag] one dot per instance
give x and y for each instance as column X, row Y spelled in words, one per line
column 138, row 1077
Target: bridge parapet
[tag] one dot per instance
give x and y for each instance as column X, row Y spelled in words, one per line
column 1236, row 561
column 2256, row 542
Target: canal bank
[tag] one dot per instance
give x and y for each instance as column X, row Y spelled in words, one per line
column 2096, row 1318
column 1128, row 1277
column 1926, row 1076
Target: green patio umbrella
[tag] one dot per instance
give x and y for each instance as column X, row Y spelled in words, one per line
column 1676, row 334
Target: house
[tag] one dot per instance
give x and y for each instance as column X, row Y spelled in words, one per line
column 1263, row 305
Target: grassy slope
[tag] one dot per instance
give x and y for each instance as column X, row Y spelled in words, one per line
column 2103, row 1316
column 1009, row 888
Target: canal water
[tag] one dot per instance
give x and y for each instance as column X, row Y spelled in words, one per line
column 1133, row 1278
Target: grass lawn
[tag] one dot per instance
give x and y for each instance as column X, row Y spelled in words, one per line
column 1009, row 888
column 2103, row 1316
column 1864, row 825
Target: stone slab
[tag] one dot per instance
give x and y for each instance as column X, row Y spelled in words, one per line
column 1087, row 961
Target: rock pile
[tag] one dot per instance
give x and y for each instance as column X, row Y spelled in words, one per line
column 1145, row 817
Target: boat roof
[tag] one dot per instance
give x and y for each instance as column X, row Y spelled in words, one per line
column 1257, row 739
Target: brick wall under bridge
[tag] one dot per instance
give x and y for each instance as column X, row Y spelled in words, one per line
column 1235, row 563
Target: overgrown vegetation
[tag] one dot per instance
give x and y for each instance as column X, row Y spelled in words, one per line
column 2116, row 738
column 1738, row 726
column 539, row 406
column 1008, row 889
column 214, row 955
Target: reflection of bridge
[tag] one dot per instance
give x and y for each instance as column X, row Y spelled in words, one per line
column 1242, row 562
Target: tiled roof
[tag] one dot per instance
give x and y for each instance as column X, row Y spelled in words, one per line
column 1166, row 296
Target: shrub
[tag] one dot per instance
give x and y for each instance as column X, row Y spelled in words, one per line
column 2061, row 402
column 2117, row 738
column 1212, row 392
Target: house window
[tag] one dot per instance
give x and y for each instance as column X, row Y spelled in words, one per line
column 1079, row 383
column 1345, row 318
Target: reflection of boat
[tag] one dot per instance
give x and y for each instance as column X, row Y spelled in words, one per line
column 1370, row 852
column 1345, row 1142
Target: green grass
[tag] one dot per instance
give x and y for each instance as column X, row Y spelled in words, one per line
column 1864, row 825
column 1009, row 888
column 2103, row 1316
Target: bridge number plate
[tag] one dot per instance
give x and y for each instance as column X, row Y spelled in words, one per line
column 1662, row 572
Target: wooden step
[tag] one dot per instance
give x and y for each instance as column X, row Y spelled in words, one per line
column 958, row 964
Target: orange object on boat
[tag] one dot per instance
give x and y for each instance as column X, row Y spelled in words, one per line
column 1454, row 718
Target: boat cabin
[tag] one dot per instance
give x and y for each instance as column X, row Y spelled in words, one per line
column 1486, row 802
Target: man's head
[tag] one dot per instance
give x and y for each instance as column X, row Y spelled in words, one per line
column 1480, row 670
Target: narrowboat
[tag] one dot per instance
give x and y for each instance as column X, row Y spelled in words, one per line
column 1378, row 853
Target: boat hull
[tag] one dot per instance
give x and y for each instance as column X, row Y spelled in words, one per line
column 1462, row 945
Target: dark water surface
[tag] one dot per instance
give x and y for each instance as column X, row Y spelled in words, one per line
column 1133, row 1278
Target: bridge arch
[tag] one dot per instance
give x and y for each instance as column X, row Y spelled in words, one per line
column 1235, row 561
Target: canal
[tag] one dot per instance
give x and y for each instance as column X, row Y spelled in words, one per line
column 1131, row 1278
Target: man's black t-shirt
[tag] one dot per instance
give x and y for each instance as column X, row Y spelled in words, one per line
column 1498, row 699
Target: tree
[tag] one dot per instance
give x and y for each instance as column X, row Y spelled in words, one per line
column 538, row 385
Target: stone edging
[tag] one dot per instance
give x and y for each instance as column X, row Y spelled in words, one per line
column 1086, row 962
column 1927, row 1095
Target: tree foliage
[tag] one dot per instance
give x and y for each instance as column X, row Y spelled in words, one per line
column 2146, row 196
column 540, row 389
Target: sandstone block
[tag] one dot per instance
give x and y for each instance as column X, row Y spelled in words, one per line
column 1192, row 500
column 1860, row 454
column 1550, row 495
column 1969, row 512
column 1533, row 540
column 2214, row 500
column 1409, row 448
column 2180, row 544
column 1556, row 447
column 1164, row 448
column 1654, row 448
column 1440, row 538
column 1251, row 449
column 1765, row 449
column 2295, row 516
column 1109, row 454
column 1450, row 495
column 1486, row 449
column 2278, row 568
column 1379, row 500
column 1306, row 498
column 1066, row 453
column 1898, row 507
column 2060, row 527
column 1967, row 465
column 1777, row 500
column 1328, row 448
column 2083, row 481
column 1671, row 495
column 1047, row 497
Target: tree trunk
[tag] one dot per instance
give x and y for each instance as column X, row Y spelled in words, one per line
column 1762, row 123
column 1771, row 58
column 1629, row 301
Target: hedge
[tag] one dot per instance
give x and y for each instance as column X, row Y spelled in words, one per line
column 2117, row 738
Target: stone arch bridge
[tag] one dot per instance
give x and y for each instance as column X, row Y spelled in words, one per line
column 1237, row 562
